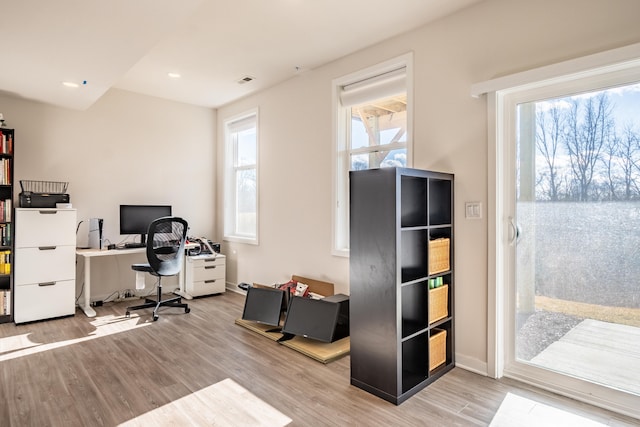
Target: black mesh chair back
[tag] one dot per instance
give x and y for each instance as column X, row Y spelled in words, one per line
column 166, row 239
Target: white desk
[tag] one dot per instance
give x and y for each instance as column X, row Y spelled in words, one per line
column 85, row 303
column 87, row 254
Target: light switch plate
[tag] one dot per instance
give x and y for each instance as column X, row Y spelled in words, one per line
column 473, row 210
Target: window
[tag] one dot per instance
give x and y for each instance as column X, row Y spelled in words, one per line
column 241, row 178
column 373, row 112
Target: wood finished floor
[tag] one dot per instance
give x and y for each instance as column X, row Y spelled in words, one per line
column 109, row 370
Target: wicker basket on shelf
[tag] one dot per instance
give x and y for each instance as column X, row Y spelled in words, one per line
column 438, row 303
column 437, row 348
column 439, row 255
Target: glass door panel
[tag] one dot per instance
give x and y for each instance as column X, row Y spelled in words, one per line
column 577, row 236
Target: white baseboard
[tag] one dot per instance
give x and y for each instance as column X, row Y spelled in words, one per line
column 471, row 364
column 234, row 288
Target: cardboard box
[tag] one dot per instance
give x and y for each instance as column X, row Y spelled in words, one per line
column 316, row 286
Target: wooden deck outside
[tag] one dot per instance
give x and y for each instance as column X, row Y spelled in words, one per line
column 601, row 352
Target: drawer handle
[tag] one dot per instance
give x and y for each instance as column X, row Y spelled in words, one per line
column 208, row 267
column 47, row 284
column 47, row 248
column 48, row 212
column 210, row 281
column 209, row 260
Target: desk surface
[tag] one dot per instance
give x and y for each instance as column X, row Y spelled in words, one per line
column 123, row 251
column 103, row 252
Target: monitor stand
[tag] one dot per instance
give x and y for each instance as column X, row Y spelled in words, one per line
column 285, row 337
column 142, row 244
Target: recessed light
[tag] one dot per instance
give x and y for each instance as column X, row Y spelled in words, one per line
column 71, row 84
column 174, row 75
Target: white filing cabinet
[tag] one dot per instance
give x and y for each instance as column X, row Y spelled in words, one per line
column 45, row 270
column 204, row 274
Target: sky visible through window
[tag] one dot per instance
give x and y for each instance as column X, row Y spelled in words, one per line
column 588, row 146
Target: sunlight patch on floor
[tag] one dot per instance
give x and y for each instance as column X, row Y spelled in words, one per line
column 23, row 345
column 517, row 411
column 225, row 403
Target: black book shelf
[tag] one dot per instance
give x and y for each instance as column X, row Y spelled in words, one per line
column 399, row 344
column 6, row 224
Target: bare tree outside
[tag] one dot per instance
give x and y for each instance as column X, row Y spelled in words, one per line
column 550, row 128
column 589, row 126
column 583, row 155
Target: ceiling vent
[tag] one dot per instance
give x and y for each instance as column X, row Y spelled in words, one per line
column 245, row 79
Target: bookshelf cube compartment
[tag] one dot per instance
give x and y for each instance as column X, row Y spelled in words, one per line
column 414, row 252
column 414, row 318
column 440, row 202
column 413, row 208
column 414, row 369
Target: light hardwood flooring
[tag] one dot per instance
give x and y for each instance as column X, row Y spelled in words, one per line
column 110, row 370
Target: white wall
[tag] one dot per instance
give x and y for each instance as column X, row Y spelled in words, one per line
column 493, row 38
column 126, row 148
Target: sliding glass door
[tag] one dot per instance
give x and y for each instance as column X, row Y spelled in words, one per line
column 572, row 239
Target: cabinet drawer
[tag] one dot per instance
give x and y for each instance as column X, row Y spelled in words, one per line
column 197, row 261
column 208, row 272
column 44, row 264
column 206, row 287
column 36, row 302
column 41, row 227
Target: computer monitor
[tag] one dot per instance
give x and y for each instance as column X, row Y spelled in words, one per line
column 263, row 305
column 135, row 219
column 317, row 319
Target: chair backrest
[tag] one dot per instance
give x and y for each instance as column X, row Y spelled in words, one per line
column 166, row 238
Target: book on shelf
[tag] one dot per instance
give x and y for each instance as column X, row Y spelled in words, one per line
column 5, row 210
column 5, row 302
column 5, row 171
column 5, row 262
column 5, row 234
column 6, row 142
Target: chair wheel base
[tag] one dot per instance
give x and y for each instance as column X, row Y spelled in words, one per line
column 155, row 317
column 187, row 310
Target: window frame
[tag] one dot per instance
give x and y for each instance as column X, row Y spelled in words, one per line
column 231, row 168
column 341, row 151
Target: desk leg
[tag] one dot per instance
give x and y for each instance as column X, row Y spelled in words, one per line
column 86, row 304
column 181, row 281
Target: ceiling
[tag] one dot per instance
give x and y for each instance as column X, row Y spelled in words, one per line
column 212, row 44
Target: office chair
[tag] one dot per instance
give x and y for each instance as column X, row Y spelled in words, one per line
column 166, row 238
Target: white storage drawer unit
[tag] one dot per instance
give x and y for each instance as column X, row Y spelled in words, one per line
column 204, row 274
column 44, row 263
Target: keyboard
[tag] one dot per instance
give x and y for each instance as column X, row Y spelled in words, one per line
column 132, row 245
